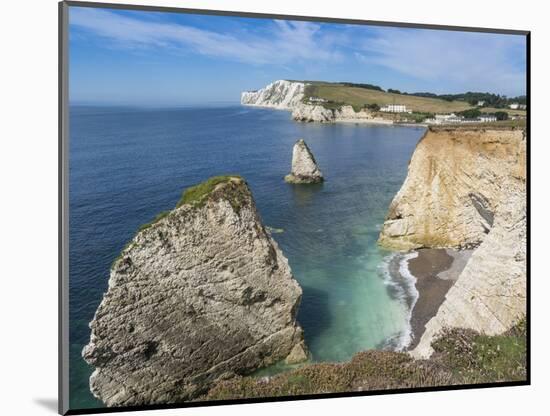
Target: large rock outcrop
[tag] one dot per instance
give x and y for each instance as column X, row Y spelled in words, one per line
column 201, row 293
column 466, row 188
column 457, row 179
column 317, row 113
column 282, row 94
column 304, row 166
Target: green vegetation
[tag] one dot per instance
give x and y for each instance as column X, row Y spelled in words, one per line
column 475, row 358
column 358, row 94
column 372, row 107
column 472, row 98
column 501, row 115
column 365, row 86
column 470, row 113
column 493, row 110
column 418, row 117
column 394, row 91
column 460, row 357
column 340, row 94
column 195, row 195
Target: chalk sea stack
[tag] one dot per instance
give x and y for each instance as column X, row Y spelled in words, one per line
column 304, row 167
column 200, row 294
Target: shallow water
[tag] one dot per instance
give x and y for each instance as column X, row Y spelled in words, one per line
column 126, row 165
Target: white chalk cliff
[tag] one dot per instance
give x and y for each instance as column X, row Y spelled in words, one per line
column 200, row 294
column 465, row 188
column 282, row 95
column 289, row 95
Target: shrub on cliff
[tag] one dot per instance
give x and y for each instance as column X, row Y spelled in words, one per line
column 476, row 358
column 461, row 357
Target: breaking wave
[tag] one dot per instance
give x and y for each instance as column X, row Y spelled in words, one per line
column 401, row 285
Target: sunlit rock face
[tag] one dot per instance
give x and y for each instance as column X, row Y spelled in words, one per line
column 304, row 167
column 466, row 188
column 200, row 294
column 282, row 94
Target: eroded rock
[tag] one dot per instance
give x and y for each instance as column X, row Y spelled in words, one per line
column 466, row 189
column 200, row 294
column 304, row 166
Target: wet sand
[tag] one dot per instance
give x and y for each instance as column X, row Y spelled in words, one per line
column 436, row 270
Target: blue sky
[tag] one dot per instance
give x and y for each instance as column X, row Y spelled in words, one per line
column 165, row 59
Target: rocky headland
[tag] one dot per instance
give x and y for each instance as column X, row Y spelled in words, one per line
column 290, row 95
column 304, row 167
column 466, row 189
column 200, row 294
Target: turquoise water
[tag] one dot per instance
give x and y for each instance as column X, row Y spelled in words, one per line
column 127, row 165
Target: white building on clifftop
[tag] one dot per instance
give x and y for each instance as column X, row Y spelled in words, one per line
column 395, row 108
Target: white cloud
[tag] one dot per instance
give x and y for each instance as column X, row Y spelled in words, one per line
column 290, row 41
column 461, row 60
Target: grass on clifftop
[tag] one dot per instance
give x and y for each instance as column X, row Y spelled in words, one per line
column 358, row 97
column 339, row 94
column 461, row 357
column 196, row 194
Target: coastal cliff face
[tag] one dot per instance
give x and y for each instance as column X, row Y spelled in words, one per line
column 282, row 94
column 457, row 180
column 317, row 113
column 466, row 189
column 289, row 95
column 304, row 166
column 200, row 294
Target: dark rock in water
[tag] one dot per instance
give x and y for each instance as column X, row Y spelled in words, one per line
column 304, row 166
column 198, row 295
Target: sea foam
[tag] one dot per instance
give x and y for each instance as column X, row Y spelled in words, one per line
column 402, row 286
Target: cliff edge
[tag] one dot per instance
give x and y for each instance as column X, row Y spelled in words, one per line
column 281, row 94
column 200, row 294
column 466, row 188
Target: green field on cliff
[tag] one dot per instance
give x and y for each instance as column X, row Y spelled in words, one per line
column 358, row 97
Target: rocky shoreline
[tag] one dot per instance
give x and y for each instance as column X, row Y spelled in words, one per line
column 465, row 190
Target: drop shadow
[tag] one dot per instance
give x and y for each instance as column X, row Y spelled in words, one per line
column 48, row 404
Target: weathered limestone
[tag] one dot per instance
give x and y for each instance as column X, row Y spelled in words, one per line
column 466, row 189
column 457, row 179
column 317, row 113
column 289, row 95
column 282, row 95
column 201, row 293
column 312, row 113
column 304, row 167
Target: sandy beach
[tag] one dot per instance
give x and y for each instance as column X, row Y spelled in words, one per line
column 435, row 270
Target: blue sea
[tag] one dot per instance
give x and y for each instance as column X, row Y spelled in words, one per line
column 129, row 164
